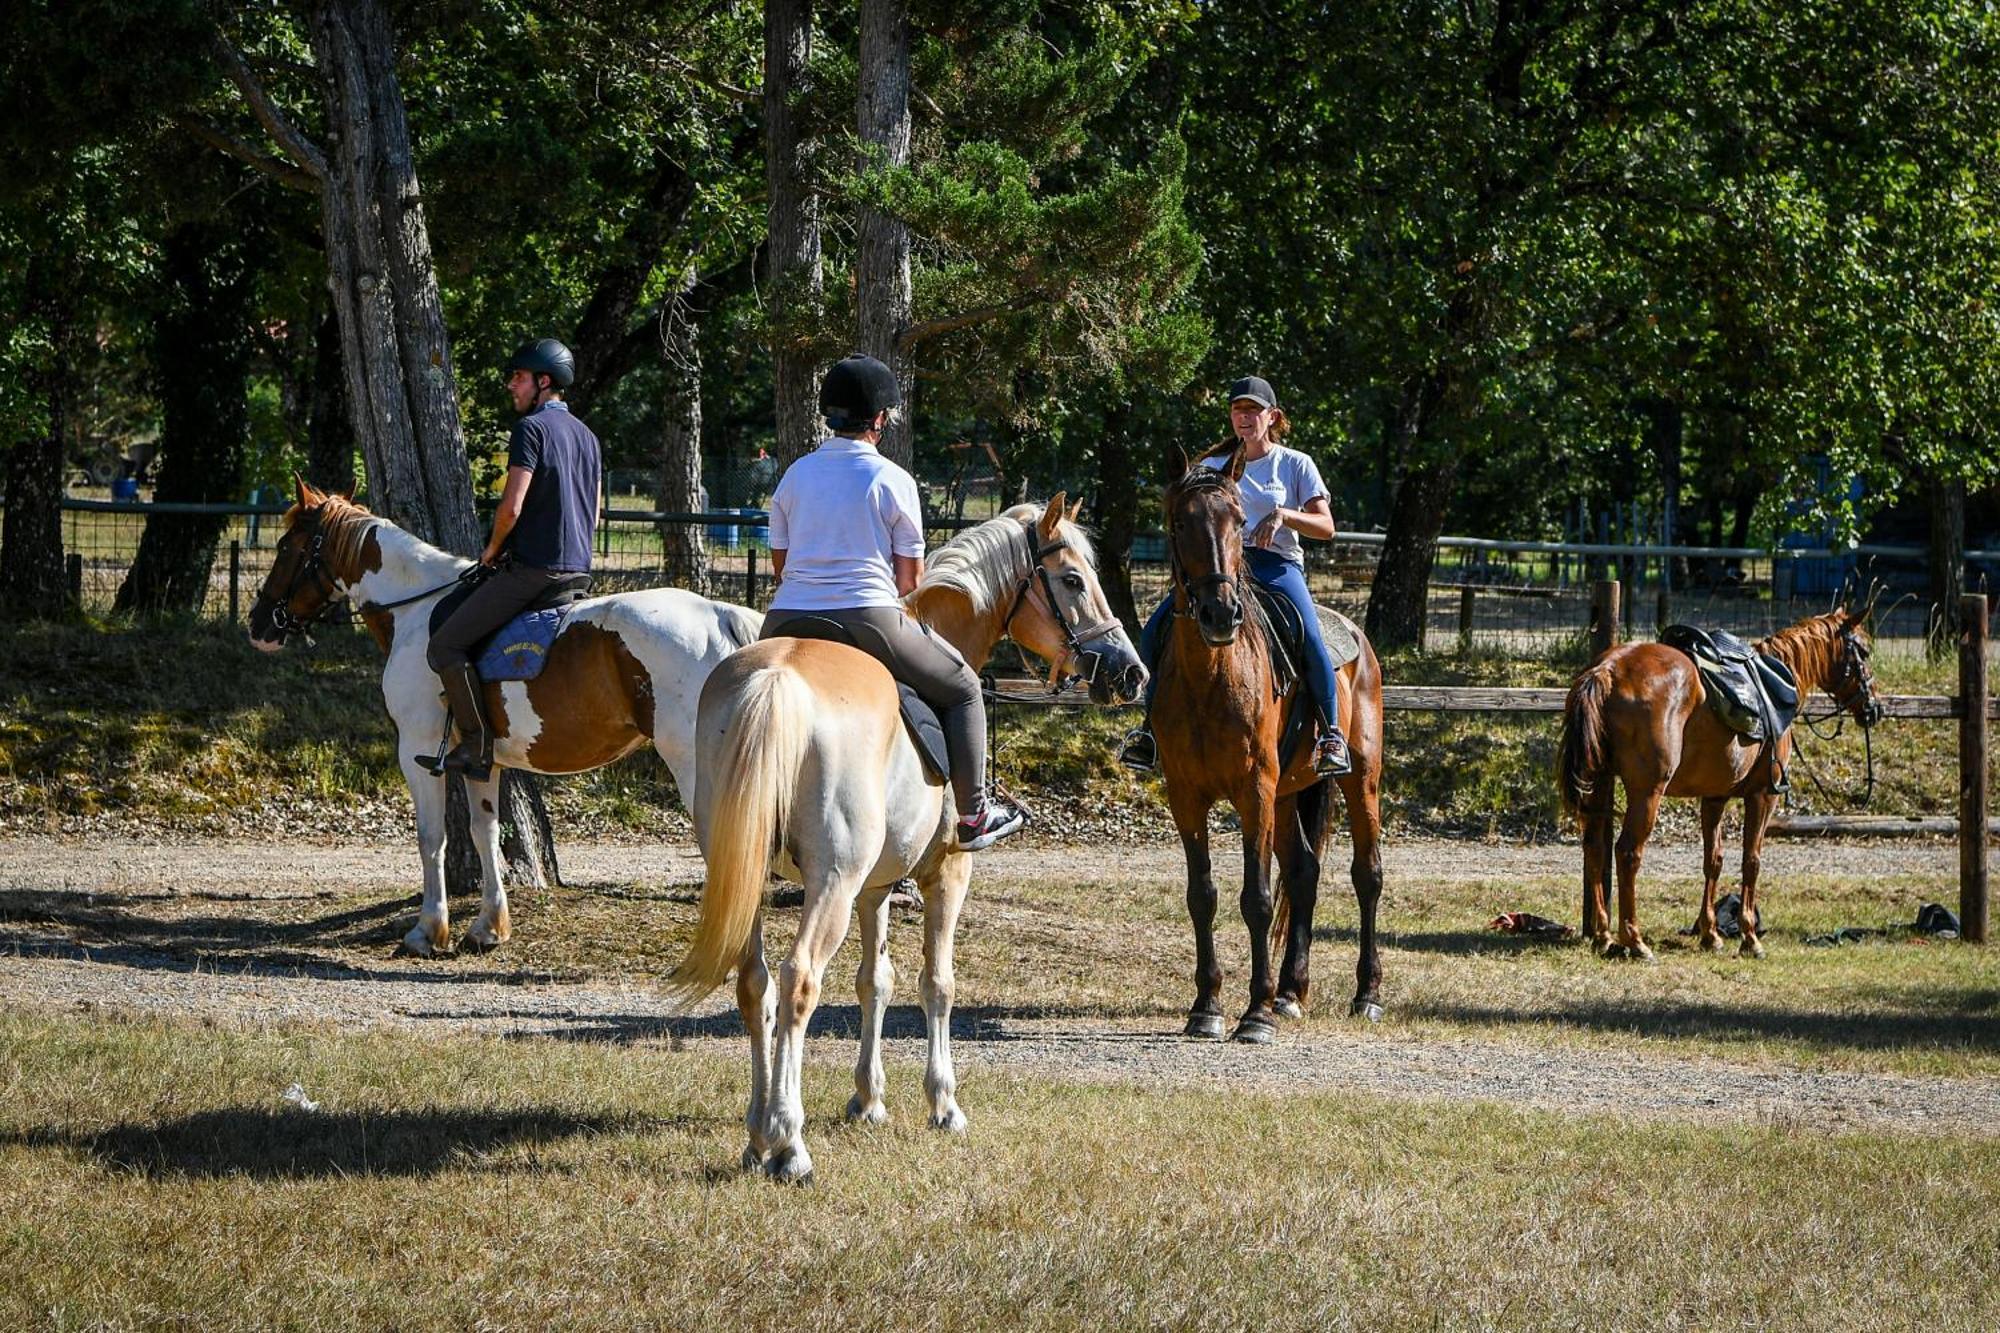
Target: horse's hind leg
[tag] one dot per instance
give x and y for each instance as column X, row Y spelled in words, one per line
column 944, row 895
column 494, row 926
column 874, row 984
column 1642, row 811
column 757, row 1002
column 1300, row 818
column 1597, row 870
column 1712, row 808
column 1362, row 790
column 1757, row 809
column 1205, row 1018
column 1257, row 810
column 829, row 901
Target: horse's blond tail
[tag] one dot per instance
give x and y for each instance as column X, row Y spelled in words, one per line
column 1580, row 765
column 756, row 775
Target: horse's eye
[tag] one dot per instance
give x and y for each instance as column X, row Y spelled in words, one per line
column 1073, row 581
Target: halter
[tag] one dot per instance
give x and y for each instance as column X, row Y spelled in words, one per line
column 1074, row 637
column 1865, row 688
column 1188, row 589
column 314, row 566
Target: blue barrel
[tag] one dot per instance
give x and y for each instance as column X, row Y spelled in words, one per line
column 722, row 534
column 124, row 488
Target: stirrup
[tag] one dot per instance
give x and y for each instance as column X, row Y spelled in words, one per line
column 1331, row 758
column 1140, row 751
column 469, row 761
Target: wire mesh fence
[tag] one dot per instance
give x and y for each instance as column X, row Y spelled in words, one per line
column 1527, row 600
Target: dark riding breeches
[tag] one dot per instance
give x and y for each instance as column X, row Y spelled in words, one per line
column 500, row 596
column 931, row 667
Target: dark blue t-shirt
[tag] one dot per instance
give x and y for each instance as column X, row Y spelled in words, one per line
column 559, row 515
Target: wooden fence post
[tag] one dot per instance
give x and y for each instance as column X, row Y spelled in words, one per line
column 1972, row 804
column 1663, row 610
column 750, row 576
column 1603, row 615
column 1465, row 619
column 73, row 575
column 235, row 576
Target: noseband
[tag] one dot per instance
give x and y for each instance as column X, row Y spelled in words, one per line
column 1074, row 637
column 1188, row 589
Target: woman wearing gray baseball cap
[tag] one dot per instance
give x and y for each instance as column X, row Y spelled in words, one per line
column 1283, row 499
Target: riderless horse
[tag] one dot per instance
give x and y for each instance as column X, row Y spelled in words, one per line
column 804, row 762
column 1636, row 715
column 1219, row 716
column 625, row 670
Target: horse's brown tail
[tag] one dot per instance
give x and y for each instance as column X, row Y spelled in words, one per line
column 757, row 772
column 1580, row 765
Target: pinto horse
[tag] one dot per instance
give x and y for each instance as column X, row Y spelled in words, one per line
column 804, row 761
column 624, row 671
column 1218, row 718
column 1636, row 715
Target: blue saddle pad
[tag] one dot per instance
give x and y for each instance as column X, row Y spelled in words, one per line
column 520, row 649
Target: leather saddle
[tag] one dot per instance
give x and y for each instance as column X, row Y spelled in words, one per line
column 1754, row 694
column 921, row 720
column 1279, row 622
column 518, row 649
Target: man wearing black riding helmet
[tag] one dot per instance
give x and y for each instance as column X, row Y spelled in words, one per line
column 542, row 534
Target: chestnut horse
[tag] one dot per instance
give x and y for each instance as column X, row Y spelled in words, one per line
column 1637, row 714
column 1218, row 720
column 624, row 671
column 805, row 761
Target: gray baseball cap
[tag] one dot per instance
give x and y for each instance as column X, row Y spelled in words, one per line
column 1254, row 387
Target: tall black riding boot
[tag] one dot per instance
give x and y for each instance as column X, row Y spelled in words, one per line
column 473, row 755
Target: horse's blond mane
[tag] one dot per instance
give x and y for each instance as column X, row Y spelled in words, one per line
column 984, row 562
column 345, row 526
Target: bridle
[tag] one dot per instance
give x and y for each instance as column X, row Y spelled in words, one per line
column 287, row 624
column 1074, row 636
column 1855, row 657
column 1186, row 589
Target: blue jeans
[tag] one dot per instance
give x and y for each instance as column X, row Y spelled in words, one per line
column 1288, row 580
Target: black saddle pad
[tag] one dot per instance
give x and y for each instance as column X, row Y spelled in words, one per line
column 573, row 588
column 1278, row 621
column 919, row 718
column 1754, row 694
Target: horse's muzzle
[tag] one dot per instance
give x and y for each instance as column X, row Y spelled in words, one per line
column 1218, row 621
column 1114, row 671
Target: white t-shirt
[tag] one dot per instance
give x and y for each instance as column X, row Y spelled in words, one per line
column 839, row 513
column 1283, row 477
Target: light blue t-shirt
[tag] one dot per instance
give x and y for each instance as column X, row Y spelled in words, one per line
column 839, row 513
column 1283, row 477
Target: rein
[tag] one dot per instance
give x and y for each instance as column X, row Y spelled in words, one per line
column 1074, row 637
column 314, row 566
column 1837, row 714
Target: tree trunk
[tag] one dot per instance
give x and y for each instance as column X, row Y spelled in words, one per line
column 329, row 431
column 31, row 553
column 793, row 247
column 679, row 477
column 203, row 357
column 882, row 258
column 401, row 395
column 1399, row 599
column 1947, row 564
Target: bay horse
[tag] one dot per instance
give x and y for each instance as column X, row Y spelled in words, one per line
column 625, row 670
column 1218, row 718
column 804, row 762
column 1637, row 715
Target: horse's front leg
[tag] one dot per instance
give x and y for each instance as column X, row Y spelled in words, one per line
column 1362, row 790
column 431, row 935
column 1205, row 1018
column 1257, row 810
column 874, row 984
column 494, row 925
column 829, row 901
column 944, row 895
column 1757, row 809
column 1712, row 808
column 758, row 1003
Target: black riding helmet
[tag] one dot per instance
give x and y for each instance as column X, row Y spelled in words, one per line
column 544, row 356
column 856, row 389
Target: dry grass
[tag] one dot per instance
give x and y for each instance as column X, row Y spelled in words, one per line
column 151, row 1177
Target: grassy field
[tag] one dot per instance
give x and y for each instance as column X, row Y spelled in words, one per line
column 151, row 1177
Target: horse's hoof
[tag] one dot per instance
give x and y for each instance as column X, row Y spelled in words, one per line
column 868, row 1113
column 791, row 1166
column 951, row 1122
column 1255, row 1032
column 1642, row 954
column 1204, row 1025
column 1367, row 1009
column 1713, row 944
column 419, row 944
column 1751, row 948
column 752, row 1160
column 1287, row 1007
column 475, row 942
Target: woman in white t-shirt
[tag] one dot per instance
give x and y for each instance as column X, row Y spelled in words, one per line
column 847, row 544
column 1283, row 497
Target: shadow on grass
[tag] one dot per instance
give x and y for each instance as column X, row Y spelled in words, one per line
column 297, row 1145
column 1446, row 941
column 1970, row 1025
column 971, row 1024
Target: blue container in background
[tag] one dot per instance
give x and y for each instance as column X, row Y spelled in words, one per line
column 124, row 488
column 722, row 534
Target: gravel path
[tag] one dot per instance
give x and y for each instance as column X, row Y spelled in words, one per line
column 56, row 975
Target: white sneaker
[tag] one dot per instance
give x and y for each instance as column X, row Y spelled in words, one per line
column 996, row 819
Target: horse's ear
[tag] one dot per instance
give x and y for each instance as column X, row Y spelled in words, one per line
column 1187, row 464
column 309, row 495
column 1052, row 516
column 1074, row 510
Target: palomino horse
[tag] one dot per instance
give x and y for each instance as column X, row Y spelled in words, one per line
column 625, row 670
column 1636, row 714
column 805, row 760
column 1218, row 719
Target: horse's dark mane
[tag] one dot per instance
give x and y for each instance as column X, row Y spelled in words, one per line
column 1808, row 647
column 343, row 524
